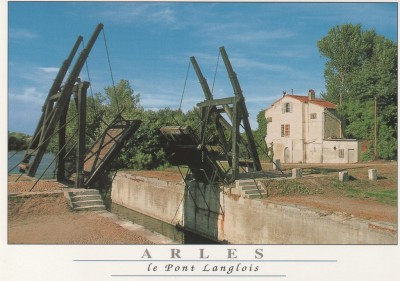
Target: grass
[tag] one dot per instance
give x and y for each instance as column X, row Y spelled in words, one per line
column 16, row 199
column 317, row 171
column 365, row 189
column 288, row 187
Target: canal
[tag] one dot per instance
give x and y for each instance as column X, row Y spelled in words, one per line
column 46, row 167
column 168, row 230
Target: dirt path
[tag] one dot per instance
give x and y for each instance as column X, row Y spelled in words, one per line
column 363, row 209
column 47, row 219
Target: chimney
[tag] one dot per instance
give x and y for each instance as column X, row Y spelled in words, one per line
column 311, row 94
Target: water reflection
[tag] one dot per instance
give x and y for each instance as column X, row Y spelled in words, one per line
column 158, row 226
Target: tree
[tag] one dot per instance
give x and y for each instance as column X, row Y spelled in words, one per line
column 347, row 47
column 259, row 135
column 121, row 97
column 145, row 149
column 360, row 66
column 18, row 141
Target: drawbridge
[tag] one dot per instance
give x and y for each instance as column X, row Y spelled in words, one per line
column 184, row 148
column 226, row 116
column 107, row 147
column 91, row 164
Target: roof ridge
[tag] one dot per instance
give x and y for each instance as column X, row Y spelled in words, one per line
column 316, row 101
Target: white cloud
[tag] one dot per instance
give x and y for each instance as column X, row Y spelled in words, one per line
column 256, row 35
column 165, row 15
column 254, row 64
column 15, row 33
column 38, row 76
column 50, row 70
column 29, row 95
column 156, row 13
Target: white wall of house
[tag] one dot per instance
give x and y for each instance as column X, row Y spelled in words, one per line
column 305, row 132
column 340, row 151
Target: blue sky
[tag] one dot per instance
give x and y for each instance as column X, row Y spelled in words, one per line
column 272, row 48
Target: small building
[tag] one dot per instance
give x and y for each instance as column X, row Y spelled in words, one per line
column 305, row 129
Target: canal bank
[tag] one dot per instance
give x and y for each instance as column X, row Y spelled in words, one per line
column 45, row 217
column 218, row 215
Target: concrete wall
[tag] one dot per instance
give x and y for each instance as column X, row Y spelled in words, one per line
column 243, row 221
column 202, row 210
column 259, row 222
column 155, row 198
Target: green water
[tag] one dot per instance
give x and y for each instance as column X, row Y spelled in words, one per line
column 158, row 226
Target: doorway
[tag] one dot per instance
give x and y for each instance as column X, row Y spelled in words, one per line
column 286, row 155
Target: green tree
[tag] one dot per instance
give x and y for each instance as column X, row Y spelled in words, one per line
column 346, row 47
column 360, row 66
column 145, row 150
column 18, row 141
column 121, row 97
column 259, row 135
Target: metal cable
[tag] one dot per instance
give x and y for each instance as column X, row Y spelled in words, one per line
column 184, row 86
column 109, row 65
column 215, row 73
column 13, row 155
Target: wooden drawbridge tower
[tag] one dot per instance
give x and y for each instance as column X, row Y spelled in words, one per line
column 90, row 164
column 230, row 139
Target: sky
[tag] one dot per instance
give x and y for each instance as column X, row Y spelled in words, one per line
column 272, row 48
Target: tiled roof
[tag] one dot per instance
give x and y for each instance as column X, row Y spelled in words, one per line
column 320, row 102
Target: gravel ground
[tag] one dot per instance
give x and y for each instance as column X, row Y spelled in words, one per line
column 47, row 219
column 33, row 186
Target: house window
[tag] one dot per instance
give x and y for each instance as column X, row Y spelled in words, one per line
column 285, row 130
column 341, row 153
column 269, row 119
column 286, row 107
column 313, row 116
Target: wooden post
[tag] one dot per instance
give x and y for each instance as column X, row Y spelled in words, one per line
column 61, row 148
column 81, row 149
column 235, row 139
column 62, row 133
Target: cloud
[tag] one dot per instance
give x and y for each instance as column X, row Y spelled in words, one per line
column 50, row 70
column 254, row 64
column 38, row 76
column 153, row 13
column 16, row 33
column 166, row 15
column 29, row 84
column 29, row 95
column 261, row 35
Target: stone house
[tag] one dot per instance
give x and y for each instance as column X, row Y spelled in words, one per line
column 305, row 129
